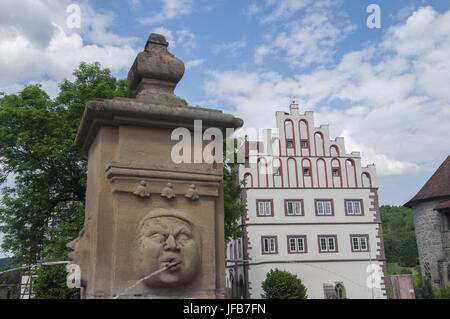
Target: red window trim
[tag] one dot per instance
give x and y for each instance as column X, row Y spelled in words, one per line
column 335, row 243
column 305, row 244
column 276, row 244
column 294, row 200
column 257, row 207
column 324, row 199
column 367, row 243
column 353, row 200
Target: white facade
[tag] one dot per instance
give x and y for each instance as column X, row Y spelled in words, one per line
column 335, row 199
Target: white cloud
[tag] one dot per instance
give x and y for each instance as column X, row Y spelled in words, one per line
column 171, row 9
column 43, row 47
column 252, row 10
column 167, row 34
column 194, row 63
column 303, row 32
column 183, row 38
column 260, row 52
column 284, row 9
column 233, row 48
column 388, row 100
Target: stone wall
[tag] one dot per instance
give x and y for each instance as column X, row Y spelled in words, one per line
column 428, row 235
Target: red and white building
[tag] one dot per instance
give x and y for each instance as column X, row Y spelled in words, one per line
column 312, row 210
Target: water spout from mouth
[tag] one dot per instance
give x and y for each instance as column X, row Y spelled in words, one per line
column 173, row 264
column 166, row 267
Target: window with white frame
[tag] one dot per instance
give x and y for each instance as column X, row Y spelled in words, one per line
column 327, row 244
column 269, row 245
column 289, row 143
column 294, row 208
column 304, row 143
column 306, row 172
column 359, row 243
column 297, row 244
column 353, row 207
column 264, row 207
column 324, row 207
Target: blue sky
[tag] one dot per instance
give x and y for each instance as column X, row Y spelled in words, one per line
column 384, row 89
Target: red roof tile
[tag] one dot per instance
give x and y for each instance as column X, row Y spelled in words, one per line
column 438, row 186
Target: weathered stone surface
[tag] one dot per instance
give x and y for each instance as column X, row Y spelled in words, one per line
column 156, row 72
column 427, row 223
column 129, row 169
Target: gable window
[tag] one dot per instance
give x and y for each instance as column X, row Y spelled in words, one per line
column 269, row 245
column 306, row 172
column 328, row 243
column 359, row 243
column 289, row 143
column 296, row 244
column 324, row 207
column 264, row 207
column 276, row 171
column 353, row 207
column 304, row 143
column 294, row 207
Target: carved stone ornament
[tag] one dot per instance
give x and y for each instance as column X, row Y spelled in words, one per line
column 168, row 191
column 192, row 193
column 142, row 190
column 165, row 236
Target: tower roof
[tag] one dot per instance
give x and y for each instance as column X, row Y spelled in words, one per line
column 438, row 186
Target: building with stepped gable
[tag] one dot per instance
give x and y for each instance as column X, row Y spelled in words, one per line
column 312, row 210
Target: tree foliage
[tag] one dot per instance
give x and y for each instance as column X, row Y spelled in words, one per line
column 399, row 236
column 51, row 284
column 37, row 147
column 234, row 208
column 283, row 285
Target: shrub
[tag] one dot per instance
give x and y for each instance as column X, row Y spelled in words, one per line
column 445, row 292
column 283, row 285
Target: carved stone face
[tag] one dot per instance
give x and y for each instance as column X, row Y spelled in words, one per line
column 164, row 238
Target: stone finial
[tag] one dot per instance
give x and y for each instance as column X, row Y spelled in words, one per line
column 155, row 73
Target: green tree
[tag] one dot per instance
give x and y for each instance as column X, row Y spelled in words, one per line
column 37, row 147
column 427, row 291
column 444, row 292
column 10, row 278
column 283, row 285
column 399, row 236
column 51, row 284
column 233, row 206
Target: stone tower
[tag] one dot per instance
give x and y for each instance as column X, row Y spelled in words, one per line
column 143, row 210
